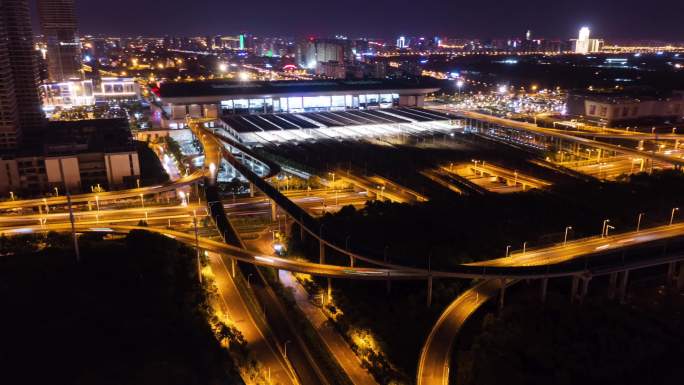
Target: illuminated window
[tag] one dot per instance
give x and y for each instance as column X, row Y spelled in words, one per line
column 314, row 102
column 338, row 101
column 386, row 98
column 294, row 103
column 241, row 104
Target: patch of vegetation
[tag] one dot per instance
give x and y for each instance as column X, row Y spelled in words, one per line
column 131, row 311
column 600, row 342
column 470, row 228
column 151, row 170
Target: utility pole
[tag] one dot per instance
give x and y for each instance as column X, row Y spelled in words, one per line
column 199, row 264
column 71, row 212
column 73, row 228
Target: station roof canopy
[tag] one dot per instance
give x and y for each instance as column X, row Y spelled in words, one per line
column 205, row 91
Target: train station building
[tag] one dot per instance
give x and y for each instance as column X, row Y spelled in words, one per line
column 219, row 99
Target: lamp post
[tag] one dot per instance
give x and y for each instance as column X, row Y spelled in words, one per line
column 142, row 201
column 333, row 186
column 674, row 210
column 609, row 227
column 212, row 170
column 639, row 221
column 508, row 249
column 524, row 247
column 565, row 238
column 285, row 348
column 603, row 230
column 199, row 264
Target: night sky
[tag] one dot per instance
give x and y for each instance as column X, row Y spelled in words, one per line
column 639, row 19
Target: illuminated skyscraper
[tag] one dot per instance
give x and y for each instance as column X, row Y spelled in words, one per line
column 19, row 101
column 584, row 44
column 401, row 42
column 58, row 24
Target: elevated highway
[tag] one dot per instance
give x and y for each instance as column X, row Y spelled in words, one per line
column 558, row 134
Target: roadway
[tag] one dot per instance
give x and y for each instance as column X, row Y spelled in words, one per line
column 540, row 263
column 106, row 195
column 532, row 128
column 433, row 367
column 236, row 308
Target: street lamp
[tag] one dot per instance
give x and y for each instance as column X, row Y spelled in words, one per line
column 565, row 239
column 333, row 186
column 508, row 249
column 639, row 221
column 12, row 197
column 524, row 247
column 285, row 348
column 56, row 192
column 609, row 227
column 603, row 230
column 674, row 210
column 142, row 201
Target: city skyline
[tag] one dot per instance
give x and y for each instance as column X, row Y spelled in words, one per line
column 611, row 19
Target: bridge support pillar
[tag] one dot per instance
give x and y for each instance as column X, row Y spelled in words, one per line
column 670, row 277
column 575, row 287
column 680, row 277
column 301, row 233
column 329, row 297
column 612, row 285
column 274, row 211
column 622, row 290
column 429, row 291
column 544, row 287
column 584, row 290
column 251, row 189
column 502, row 293
column 321, row 252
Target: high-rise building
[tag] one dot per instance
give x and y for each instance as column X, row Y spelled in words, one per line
column 8, row 103
column 584, row 44
column 20, row 109
column 58, row 24
column 401, row 42
column 314, row 51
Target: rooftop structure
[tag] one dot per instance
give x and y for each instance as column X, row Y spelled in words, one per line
column 219, row 98
column 626, row 107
